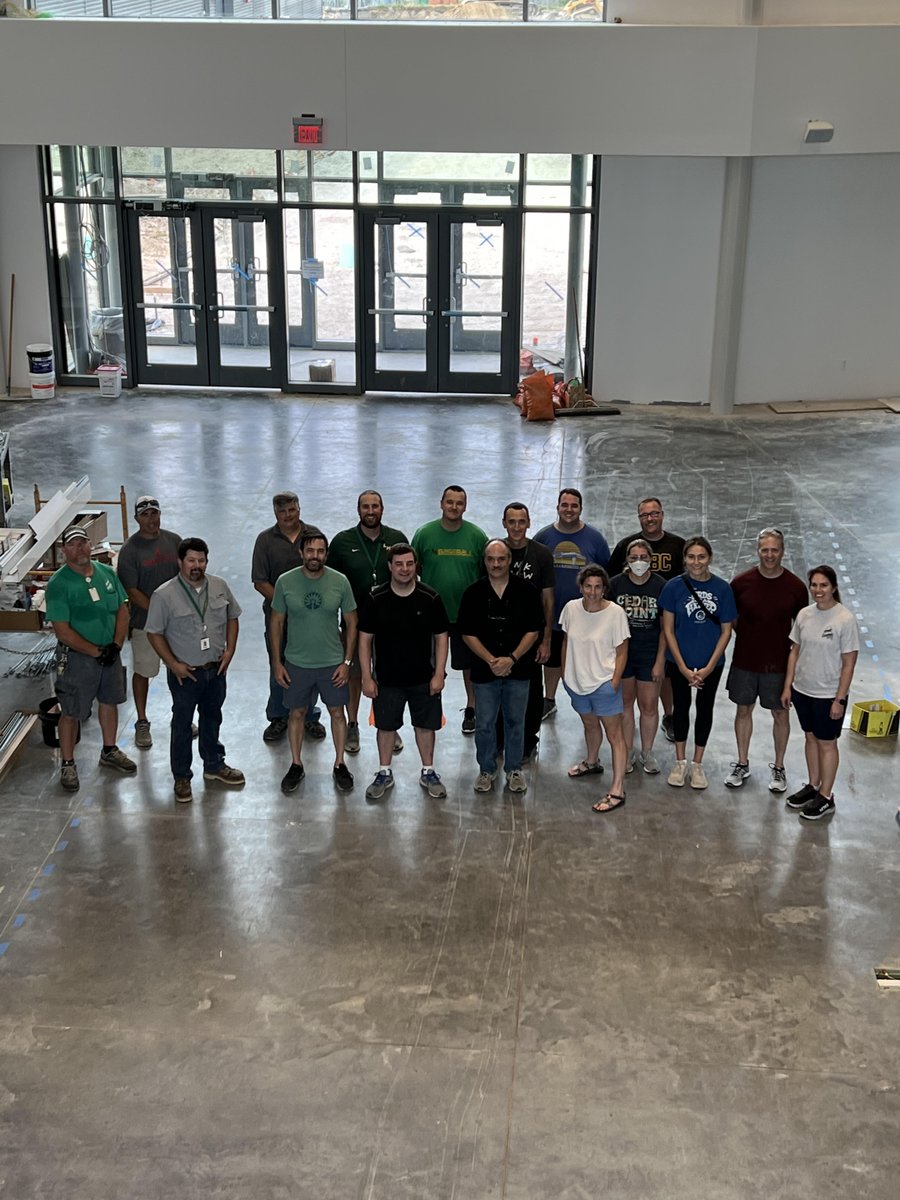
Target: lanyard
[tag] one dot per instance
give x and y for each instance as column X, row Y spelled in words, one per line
column 189, row 592
column 367, row 544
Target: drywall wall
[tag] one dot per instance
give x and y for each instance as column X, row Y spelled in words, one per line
column 23, row 252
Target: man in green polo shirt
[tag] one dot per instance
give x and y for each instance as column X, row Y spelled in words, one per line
column 360, row 553
column 88, row 608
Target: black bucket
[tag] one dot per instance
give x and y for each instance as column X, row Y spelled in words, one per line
column 49, row 710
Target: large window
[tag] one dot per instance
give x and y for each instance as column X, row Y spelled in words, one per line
column 329, row 10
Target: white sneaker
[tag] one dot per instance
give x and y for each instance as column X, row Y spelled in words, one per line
column 678, row 773
column 632, row 759
column 649, row 763
column 739, row 772
column 777, row 779
column 698, row 777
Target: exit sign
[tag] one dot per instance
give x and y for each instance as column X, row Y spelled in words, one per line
column 308, row 130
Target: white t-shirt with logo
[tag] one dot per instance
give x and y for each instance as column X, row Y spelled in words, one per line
column 593, row 640
column 823, row 636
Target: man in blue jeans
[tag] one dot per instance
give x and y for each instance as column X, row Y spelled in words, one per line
column 500, row 619
column 192, row 624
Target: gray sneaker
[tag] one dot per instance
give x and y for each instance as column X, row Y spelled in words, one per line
column 142, row 737
column 777, row 779
column 649, row 764
column 118, row 761
column 68, row 777
column 383, row 782
column 632, row 759
column 352, row 743
column 516, row 782
column 485, row 781
column 739, row 772
column 433, row 784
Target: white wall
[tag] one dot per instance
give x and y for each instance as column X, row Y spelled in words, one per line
column 825, row 12
column 822, row 287
column 679, row 12
column 22, row 251
column 660, row 223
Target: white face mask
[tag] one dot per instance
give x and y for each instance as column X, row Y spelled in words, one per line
column 639, row 567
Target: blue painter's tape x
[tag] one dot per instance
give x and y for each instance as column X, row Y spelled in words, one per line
column 61, row 845
column 18, row 921
column 49, row 869
column 34, row 893
column 4, row 946
column 75, row 822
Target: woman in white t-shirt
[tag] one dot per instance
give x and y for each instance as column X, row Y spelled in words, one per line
column 594, row 653
column 824, row 650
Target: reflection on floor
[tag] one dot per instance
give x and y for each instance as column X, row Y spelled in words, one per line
column 491, row 996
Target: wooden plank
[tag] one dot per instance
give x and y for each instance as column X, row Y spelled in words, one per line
column 824, row 406
column 12, row 748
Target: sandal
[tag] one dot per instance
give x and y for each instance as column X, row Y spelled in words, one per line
column 611, row 802
column 585, row 768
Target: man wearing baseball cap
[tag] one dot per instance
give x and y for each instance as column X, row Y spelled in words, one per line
column 88, row 608
column 148, row 559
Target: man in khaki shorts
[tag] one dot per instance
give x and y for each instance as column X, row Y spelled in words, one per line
column 149, row 558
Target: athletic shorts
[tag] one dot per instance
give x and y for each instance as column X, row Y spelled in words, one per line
column 640, row 668
column 813, row 713
column 746, row 687
column 309, row 682
column 144, row 659
column 556, row 645
column 80, row 680
column 606, row 701
column 461, row 657
column 425, row 710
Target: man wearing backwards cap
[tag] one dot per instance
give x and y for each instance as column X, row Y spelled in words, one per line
column 88, row 609
column 149, row 558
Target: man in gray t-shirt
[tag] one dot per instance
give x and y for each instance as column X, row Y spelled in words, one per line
column 149, row 558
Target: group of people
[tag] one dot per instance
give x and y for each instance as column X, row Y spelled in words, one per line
column 375, row 614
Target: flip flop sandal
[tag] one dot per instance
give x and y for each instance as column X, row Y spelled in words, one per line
column 611, row 801
column 585, row 768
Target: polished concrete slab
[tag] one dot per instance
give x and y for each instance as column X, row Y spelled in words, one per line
column 489, row 996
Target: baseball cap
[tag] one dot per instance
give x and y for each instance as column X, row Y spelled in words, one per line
column 73, row 532
column 145, row 504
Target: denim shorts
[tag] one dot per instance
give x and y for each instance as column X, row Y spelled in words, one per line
column 606, row 701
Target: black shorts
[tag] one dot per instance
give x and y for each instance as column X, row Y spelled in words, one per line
column 556, row 645
column 461, row 657
column 425, row 710
column 746, row 687
column 813, row 713
column 639, row 667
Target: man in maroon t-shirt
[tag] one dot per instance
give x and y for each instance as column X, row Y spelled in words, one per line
column 768, row 597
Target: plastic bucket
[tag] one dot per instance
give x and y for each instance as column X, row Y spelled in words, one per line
column 40, row 358
column 49, row 710
column 43, row 387
column 110, row 381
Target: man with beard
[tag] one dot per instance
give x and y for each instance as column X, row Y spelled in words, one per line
column 361, row 554
column 318, row 603
column 192, row 625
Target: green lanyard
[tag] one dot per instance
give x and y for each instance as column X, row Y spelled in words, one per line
column 201, row 612
column 367, row 544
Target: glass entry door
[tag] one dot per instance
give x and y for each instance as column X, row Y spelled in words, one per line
column 205, row 310
column 441, row 292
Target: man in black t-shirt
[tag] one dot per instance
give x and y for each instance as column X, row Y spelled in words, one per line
column 501, row 620
column 404, row 636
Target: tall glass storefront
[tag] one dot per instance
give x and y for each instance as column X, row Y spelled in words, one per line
column 320, row 270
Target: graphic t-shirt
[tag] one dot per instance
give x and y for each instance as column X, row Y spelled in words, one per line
column 593, row 638
column 640, row 603
column 766, row 610
column 449, row 560
column 313, row 608
column 403, row 629
column 533, row 563
column 146, row 564
column 666, row 555
column 695, row 633
column 823, row 636
column 571, row 552
column 69, row 599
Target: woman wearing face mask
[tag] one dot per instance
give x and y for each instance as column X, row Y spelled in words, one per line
column 594, row 652
column 637, row 591
column 697, row 617
column 824, row 650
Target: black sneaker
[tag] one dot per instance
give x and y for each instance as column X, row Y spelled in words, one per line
column 343, row 780
column 292, row 780
column 668, row 729
column 548, row 709
column 315, row 730
column 806, row 793
column 468, row 721
column 820, row 806
column 275, row 730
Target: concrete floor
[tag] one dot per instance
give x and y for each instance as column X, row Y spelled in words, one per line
column 310, row 996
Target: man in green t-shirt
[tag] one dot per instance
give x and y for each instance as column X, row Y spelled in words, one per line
column 450, row 553
column 88, row 608
column 321, row 640
column 360, row 553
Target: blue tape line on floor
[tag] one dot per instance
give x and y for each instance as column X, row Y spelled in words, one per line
column 49, row 869
column 4, row 946
column 871, row 645
column 75, row 822
column 18, row 921
column 61, row 845
column 34, row 893
column 88, row 802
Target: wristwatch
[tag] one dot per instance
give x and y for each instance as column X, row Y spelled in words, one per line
column 513, row 657
column 348, row 662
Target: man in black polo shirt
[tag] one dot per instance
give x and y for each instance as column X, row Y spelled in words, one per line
column 501, row 619
column 404, row 636
column 277, row 550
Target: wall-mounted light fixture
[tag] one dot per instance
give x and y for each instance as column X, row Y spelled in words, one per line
column 818, row 131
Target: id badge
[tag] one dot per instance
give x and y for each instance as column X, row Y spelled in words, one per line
column 204, row 643
column 93, row 593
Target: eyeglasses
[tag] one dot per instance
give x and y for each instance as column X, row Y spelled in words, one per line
column 769, row 531
column 656, row 512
